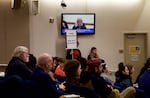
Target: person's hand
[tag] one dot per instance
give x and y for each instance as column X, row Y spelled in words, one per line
column 62, row 86
column 71, row 52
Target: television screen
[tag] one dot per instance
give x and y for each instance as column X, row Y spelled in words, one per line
column 83, row 23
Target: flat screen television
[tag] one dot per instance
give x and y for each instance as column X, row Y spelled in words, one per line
column 83, row 23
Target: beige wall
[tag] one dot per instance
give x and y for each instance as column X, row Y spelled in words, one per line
column 14, row 28
column 113, row 19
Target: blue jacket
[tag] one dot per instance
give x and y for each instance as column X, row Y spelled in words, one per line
column 48, row 88
column 144, row 82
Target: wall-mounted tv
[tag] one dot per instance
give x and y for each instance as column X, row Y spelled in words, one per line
column 83, row 23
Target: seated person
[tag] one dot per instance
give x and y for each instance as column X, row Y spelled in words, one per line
column 59, row 71
column 79, row 24
column 124, row 79
column 17, row 65
column 43, row 77
column 73, row 69
column 145, row 67
column 93, row 53
column 144, row 83
column 91, row 78
column 105, row 73
column 32, row 62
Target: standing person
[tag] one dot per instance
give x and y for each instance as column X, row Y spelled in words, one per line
column 73, row 53
column 17, row 65
column 41, row 75
column 93, row 53
column 79, row 24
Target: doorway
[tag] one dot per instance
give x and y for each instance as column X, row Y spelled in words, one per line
column 135, row 51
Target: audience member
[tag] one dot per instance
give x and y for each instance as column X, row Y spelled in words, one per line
column 17, row 65
column 59, row 71
column 79, row 24
column 93, row 53
column 73, row 70
column 91, row 78
column 119, row 71
column 145, row 67
column 105, row 73
column 32, row 62
column 49, row 88
column 60, row 68
column 144, row 82
column 124, row 78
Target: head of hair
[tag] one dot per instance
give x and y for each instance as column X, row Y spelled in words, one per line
column 93, row 48
column 32, row 61
column 19, row 50
column 70, row 68
column 60, row 60
column 93, row 64
column 120, row 66
column 147, row 64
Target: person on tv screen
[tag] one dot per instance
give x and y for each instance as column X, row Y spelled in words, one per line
column 79, row 24
column 64, row 25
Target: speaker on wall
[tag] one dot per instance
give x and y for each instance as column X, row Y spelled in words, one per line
column 15, row 4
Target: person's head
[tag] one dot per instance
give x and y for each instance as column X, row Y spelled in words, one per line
column 61, row 62
column 130, row 68
column 147, row 64
column 94, row 66
column 45, row 62
column 93, row 50
column 72, row 69
column 55, row 61
column 21, row 52
column 64, row 25
column 32, row 61
column 125, row 70
column 120, row 66
column 79, row 22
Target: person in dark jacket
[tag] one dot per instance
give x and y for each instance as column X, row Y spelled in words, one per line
column 124, row 79
column 144, row 83
column 17, row 65
column 48, row 87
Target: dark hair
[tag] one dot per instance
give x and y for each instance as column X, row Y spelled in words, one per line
column 147, row 64
column 32, row 61
column 61, row 60
column 121, row 66
column 93, row 48
column 70, row 68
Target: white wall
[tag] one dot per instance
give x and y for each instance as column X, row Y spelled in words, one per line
column 143, row 24
column 113, row 19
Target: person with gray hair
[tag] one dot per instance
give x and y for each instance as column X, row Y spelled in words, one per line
column 17, row 65
column 79, row 24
